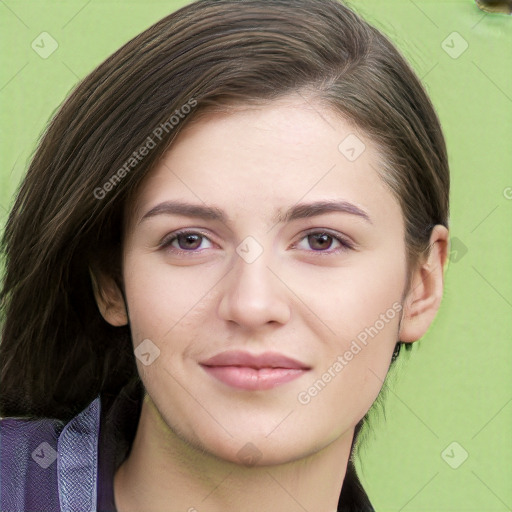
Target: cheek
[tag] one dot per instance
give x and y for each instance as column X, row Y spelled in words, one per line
column 353, row 363
column 161, row 298
column 341, row 303
column 356, row 318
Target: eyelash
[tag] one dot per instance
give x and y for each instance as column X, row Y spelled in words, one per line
column 345, row 244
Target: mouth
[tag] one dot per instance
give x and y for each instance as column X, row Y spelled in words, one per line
column 252, row 372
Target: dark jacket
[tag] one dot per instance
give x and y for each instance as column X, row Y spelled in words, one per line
column 47, row 465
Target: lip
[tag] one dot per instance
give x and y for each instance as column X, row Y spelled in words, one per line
column 244, row 370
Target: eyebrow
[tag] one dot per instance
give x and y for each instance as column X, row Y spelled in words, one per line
column 186, row 210
column 299, row 211
column 304, row 210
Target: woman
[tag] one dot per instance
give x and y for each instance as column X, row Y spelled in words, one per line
column 227, row 232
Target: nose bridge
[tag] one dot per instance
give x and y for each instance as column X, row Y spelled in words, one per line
column 251, row 279
column 253, row 295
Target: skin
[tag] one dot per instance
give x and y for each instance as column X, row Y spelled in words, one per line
column 306, row 300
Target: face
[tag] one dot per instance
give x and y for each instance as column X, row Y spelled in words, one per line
column 264, row 269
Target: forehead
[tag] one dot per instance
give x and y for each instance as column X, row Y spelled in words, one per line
column 260, row 160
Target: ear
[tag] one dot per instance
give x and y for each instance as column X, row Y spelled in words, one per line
column 426, row 289
column 109, row 299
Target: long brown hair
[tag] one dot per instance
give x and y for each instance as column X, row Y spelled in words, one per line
column 57, row 353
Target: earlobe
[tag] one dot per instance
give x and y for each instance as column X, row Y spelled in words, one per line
column 109, row 299
column 426, row 289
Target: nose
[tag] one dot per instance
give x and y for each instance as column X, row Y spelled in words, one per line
column 253, row 296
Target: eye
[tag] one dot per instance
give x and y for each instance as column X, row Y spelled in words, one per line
column 323, row 241
column 186, row 241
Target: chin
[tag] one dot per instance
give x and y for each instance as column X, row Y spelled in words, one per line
column 252, row 450
column 251, row 455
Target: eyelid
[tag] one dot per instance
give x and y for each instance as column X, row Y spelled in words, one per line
column 167, row 239
column 345, row 241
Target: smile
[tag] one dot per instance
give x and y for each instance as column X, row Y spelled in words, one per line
column 246, row 371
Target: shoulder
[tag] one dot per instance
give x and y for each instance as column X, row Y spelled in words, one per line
column 46, row 464
column 28, row 469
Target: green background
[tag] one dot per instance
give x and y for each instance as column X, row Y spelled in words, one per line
column 456, row 385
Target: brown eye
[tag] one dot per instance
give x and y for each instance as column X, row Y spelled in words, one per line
column 189, row 241
column 324, row 243
column 320, row 241
column 186, row 241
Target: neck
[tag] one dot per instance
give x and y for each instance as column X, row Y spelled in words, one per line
column 164, row 472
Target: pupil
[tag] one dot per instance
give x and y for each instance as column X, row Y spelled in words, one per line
column 321, row 241
column 189, row 241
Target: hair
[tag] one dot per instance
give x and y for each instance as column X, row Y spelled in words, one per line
column 57, row 352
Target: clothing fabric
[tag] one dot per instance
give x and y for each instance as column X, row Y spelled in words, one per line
column 47, row 465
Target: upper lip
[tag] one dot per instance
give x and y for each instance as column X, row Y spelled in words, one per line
column 246, row 359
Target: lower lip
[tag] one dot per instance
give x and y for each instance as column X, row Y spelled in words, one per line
column 243, row 377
